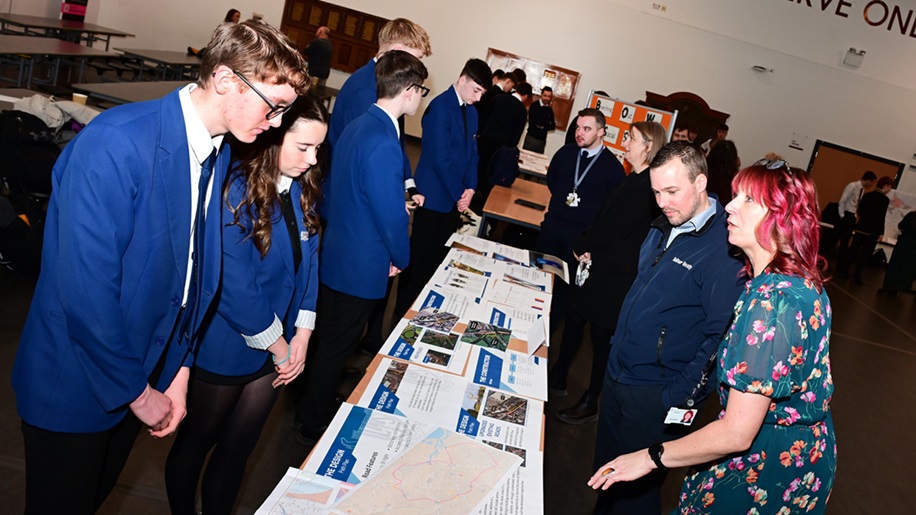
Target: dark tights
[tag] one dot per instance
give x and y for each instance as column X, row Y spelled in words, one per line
column 229, row 420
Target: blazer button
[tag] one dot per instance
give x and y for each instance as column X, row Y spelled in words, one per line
column 175, row 301
column 160, row 341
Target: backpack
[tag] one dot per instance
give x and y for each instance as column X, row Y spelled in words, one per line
column 504, row 166
column 29, row 149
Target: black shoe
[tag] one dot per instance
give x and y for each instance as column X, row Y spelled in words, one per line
column 309, row 437
column 585, row 411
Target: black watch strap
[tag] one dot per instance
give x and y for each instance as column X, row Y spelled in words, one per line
column 655, row 452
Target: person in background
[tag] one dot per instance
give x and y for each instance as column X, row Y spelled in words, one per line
column 232, row 16
column 571, row 130
column 579, row 178
column 870, row 216
column 680, row 132
column 722, row 163
column 671, row 322
column 132, row 263
column 356, row 96
column 366, row 241
column 847, row 208
column 772, row 449
column 540, row 122
column 608, row 254
column 265, row 314
column 901, row 269
column 318, row 53
column 446, row 176
column 721, row 134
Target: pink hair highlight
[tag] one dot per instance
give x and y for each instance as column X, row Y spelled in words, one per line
column 791, row 223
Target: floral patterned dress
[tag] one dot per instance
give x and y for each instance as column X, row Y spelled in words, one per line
column 778, row 346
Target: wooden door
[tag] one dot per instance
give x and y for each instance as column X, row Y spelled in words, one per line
column 833, row 167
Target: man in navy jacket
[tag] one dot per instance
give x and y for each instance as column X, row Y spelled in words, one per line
column 366, row 240
column 671, row 322
column 446, row 176
column 126, row 279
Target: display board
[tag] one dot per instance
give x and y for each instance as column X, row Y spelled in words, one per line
column 620, row 115
column 562, row 81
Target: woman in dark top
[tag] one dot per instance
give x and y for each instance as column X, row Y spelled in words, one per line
column 609, row 252
column 258, row 338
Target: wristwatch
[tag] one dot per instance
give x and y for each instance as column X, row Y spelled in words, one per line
column 655, row 452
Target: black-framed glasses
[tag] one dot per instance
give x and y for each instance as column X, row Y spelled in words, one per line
column 422, row 89
column 774, row 164
column 275, row 110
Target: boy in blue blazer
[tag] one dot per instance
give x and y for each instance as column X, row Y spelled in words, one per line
column 446, row 176
column 131, row 262
column 366, row 240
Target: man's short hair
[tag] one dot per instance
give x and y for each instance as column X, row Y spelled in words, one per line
column 519, row 75
column 523, row 88
column 884, row 182
column 723, row 127
column 257, row 51
column 600, row 120
column 405, row 32
column 397, row 70
column 869, row 176
column 498, row 74
column 692, row 158
column 547, row 89
column 478, row 71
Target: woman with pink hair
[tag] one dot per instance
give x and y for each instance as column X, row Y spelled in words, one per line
column 772, row 449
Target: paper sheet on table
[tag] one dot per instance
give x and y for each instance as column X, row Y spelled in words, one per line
column 509, row 371
column 463, row 278
column 360, row 441
column 519, row 297
column 445, row 473
column 303, row 493
column 433, row 349
column 489, row 248
column 467, row 308
column 502, row 420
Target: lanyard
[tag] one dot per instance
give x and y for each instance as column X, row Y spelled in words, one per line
column 578, row 179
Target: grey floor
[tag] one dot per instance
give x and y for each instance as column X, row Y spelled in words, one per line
column 874, row 362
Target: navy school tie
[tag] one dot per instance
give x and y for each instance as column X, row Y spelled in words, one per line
column 191, row 308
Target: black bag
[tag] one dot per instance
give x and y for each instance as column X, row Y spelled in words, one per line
column 504, row 166
column 29, row 149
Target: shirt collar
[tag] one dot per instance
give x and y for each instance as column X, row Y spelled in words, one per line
column 700, row 219
column 199, row 139
column 284, row 183
column 460, row 101
column 590, row 153
column 393, row 120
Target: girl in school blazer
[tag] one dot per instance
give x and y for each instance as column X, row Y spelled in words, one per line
column 257, row 339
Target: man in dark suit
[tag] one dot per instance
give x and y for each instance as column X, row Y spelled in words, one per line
column 502, row 85
column 504, row 127
column 869, row 227
column 540, row 122
column 579, row 177
column 366, row 240
column 446, row 176
column 131, row 263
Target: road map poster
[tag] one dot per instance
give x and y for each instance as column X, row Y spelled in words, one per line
column 507, row 422
column 445, row 473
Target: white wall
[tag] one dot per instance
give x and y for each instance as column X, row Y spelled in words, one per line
column 46, row 8
column 626, row 47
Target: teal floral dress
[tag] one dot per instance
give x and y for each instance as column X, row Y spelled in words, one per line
column 778, row 346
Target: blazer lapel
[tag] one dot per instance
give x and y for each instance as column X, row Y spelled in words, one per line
column 175, row 175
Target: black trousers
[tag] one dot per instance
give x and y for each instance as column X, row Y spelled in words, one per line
column 844, row 234
column 431, row 229
column 861, row 249
column 341, row 318
column 74, row 472
column 631, row 417
column 573, row 333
